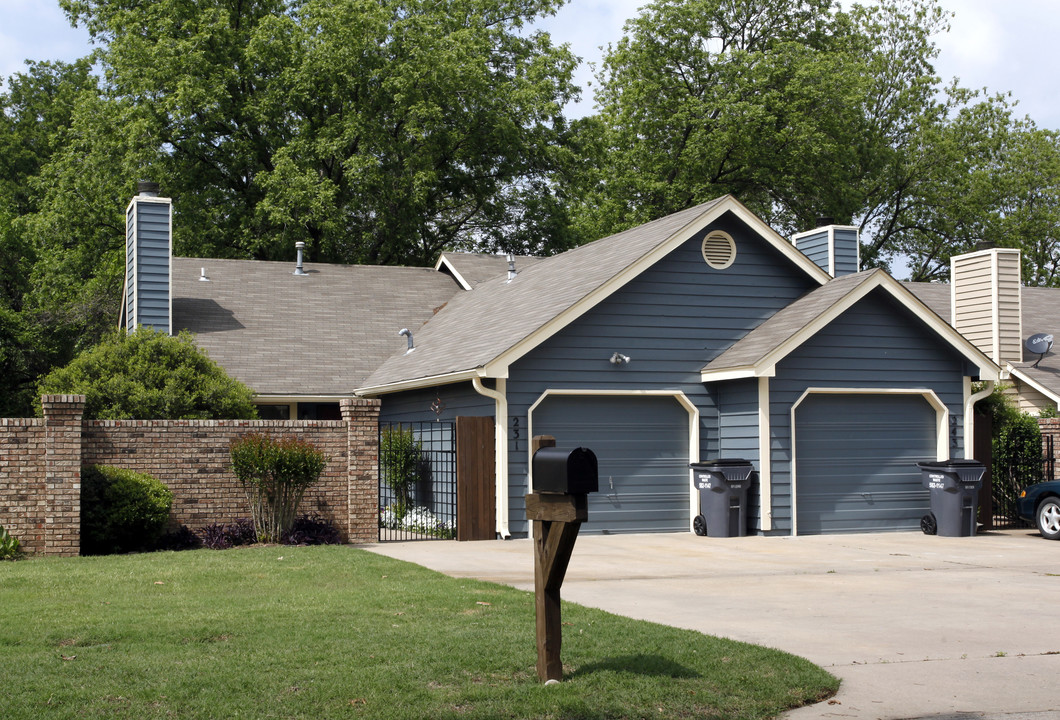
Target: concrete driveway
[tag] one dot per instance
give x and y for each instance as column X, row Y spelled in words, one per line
column 915, row 626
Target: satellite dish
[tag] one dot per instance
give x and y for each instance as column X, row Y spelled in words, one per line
column 1039, row 344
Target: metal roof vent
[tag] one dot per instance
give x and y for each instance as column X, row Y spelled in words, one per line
column 511, row 268
column 146, row 188
column 298, row 269
column 408, row 335
column 719, row 250
column 202, row 275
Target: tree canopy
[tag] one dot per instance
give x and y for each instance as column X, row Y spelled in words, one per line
column 385, row 131
column 147, row 375
column 801, row 111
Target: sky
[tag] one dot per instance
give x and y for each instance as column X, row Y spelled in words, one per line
column 1004, row 45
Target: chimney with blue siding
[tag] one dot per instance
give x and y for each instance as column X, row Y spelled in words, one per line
column 836, row 249
column 149, row 239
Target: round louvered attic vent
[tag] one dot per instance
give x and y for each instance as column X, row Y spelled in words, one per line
column 719, row 250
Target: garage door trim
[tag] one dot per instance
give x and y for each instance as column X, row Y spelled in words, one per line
column 679, row 396
column 942, row 421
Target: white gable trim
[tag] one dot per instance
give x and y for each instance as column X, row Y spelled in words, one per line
column 1023, row 377
column 498, row 367
column 766, row 366
column 443, row 260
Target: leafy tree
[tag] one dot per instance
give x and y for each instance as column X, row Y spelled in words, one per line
column 376, row 132
column 36, row 110
column 147, row 374
column 802, row 110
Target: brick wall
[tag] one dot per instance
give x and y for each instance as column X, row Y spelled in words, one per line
column 40, row 468
column 23, row 506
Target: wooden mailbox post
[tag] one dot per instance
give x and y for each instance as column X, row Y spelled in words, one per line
column 557, row 519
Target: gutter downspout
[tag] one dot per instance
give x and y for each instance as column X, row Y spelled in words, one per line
column 969, row 416
column 500, row 397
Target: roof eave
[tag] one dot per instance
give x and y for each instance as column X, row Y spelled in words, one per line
column 422, row 382
column 1024, row 377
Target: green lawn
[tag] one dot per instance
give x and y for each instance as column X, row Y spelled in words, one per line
column 337, row 632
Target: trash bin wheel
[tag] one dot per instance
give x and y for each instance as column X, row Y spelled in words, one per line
column 699, row 525
column 928, row 524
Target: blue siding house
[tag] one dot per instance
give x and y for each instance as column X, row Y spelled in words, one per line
column 700, row 336
column 703, row 335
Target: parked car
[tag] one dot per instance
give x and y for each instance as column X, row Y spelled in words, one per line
column 1040, row 504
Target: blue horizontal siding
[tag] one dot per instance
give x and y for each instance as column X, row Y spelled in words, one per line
column 148, row 252
column 876, row 344
column 671, row 320
column 458, row 400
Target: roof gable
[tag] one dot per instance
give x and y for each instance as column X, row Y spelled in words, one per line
column 481, row 332
column 758, row 353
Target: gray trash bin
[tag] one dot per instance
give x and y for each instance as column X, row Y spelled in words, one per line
column 954, row 486
column 722, row 486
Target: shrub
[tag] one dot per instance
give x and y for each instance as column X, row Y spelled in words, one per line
column 121, row 510
column 219, row 536
column 312, row 530
column 183, row 538
column 401, row 456
column 147, row 374
column 275, row 475
column 10, row 548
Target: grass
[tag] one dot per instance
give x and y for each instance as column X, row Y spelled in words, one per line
column 337, row 632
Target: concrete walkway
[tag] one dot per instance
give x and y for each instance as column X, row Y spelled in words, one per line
column 914, row 626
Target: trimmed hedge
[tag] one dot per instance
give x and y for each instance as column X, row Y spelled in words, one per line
column 121, row 510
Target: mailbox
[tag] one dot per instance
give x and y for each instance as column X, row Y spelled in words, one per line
column 572, row 472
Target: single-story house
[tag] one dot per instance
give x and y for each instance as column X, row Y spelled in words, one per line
column 698, row 336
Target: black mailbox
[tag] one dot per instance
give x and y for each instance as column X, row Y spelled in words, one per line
column 572, row 472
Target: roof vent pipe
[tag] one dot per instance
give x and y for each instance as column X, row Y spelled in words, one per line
column 511, row 268
column 824, row 220
column 298, row 269
column 146, row 188
column 408, row 335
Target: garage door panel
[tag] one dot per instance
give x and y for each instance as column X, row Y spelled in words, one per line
column 855, row 462
column 641, row 445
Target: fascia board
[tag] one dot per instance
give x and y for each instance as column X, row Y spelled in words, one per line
column 418, row 383
column 1023, row 377
column 498, row 367
column 738, row 373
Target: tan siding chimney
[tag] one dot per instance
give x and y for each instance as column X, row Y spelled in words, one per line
column 985, row 297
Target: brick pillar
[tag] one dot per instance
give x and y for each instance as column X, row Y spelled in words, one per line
column 362, row 445
column 62, row 473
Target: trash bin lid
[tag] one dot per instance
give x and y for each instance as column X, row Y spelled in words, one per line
column 719, row 463
column 951, row 464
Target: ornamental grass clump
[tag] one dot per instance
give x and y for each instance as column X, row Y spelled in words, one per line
column 275, row 474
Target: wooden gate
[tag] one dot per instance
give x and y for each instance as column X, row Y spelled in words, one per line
column 476, row 489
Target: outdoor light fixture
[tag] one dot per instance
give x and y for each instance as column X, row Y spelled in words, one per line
column 619, row 359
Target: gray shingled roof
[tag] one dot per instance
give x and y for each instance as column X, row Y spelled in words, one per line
column 480, row 325
column 1040, row 314
column 476, row 267
column 756, row 345
column 316, row 335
